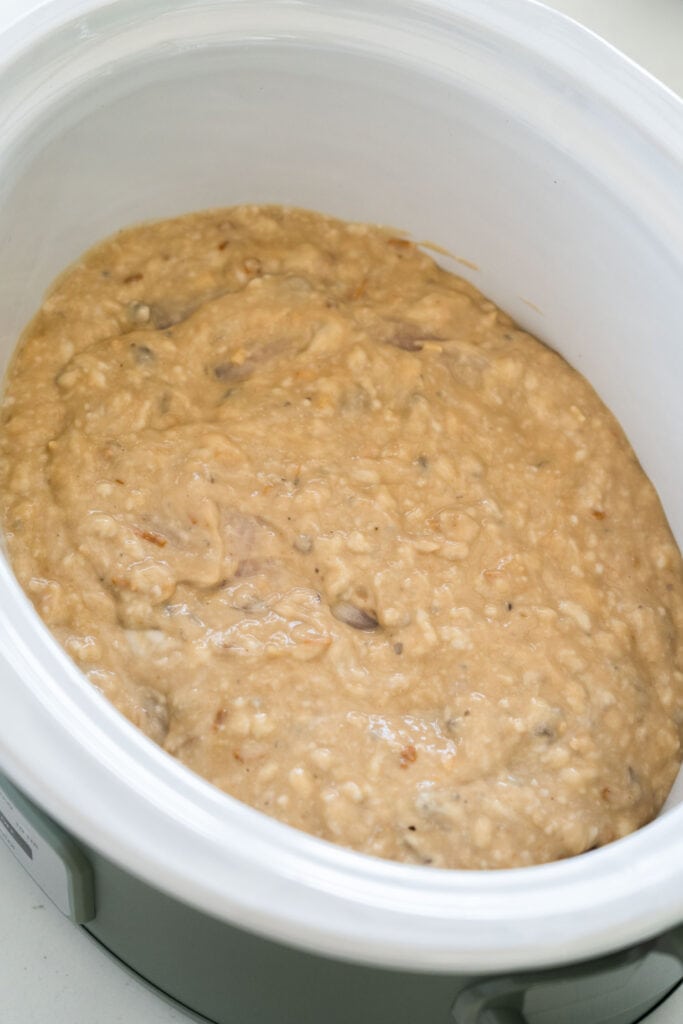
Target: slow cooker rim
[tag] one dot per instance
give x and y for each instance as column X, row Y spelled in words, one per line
column 57, row 688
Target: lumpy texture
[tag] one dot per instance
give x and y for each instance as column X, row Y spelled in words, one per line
column 326, row 525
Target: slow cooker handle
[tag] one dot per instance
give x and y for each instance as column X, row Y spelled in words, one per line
column 502, row 1000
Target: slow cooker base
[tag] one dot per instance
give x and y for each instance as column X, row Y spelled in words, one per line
column 218, row 971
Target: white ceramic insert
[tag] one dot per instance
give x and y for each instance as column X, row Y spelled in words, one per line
column 495, row 128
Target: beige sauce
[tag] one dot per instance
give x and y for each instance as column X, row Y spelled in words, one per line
column 326, row 525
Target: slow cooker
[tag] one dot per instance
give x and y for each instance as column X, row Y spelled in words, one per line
column 550, row 170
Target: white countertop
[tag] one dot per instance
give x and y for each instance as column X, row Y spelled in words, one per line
column 50, row 971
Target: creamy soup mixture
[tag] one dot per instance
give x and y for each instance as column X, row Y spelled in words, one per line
column 326, row 525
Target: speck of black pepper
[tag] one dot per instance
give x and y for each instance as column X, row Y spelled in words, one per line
column 509, row 606
column 412, row 828
column 544, row 730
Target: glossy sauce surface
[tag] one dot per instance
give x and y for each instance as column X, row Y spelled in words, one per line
column 318, row 518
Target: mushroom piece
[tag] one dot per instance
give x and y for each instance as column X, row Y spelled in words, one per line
column 353, row 616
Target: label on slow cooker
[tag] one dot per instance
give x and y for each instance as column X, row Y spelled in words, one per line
column 44, row 851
